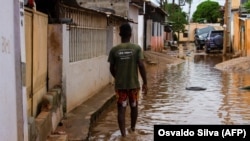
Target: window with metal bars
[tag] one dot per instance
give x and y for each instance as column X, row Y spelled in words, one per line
column 86, row 43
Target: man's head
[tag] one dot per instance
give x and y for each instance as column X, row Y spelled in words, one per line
column 125, row 30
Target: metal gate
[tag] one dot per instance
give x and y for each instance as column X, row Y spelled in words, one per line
column 36, row 24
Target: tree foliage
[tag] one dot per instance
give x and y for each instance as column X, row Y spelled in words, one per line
column 207, row 10
column 246, row 5
column 177, row 17
column 189, row 1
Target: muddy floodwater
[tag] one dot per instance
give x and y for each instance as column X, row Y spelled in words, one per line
column 222, row 101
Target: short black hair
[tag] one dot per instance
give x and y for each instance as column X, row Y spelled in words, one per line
column 125, row 30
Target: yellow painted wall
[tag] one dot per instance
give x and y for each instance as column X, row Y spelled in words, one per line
column 235, row 4
column 247, row 39
column 241, row 42
column 236, row 36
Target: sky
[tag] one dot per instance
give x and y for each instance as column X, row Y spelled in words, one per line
column 195, row 3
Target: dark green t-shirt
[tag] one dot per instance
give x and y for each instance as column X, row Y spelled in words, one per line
column 125, row 57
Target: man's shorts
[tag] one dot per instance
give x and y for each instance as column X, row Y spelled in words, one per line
column 131, row 94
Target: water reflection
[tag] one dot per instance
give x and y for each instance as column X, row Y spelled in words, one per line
column 168, row 102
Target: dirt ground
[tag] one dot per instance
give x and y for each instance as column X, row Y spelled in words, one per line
column 168, row 58
column 240, row 64
column 162, row 59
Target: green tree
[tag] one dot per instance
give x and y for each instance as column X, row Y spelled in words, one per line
column 177, row 17
column 207, row 10
column 246, row 5
column 189, row 1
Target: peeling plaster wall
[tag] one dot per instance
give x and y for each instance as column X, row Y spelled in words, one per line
column 81, row 79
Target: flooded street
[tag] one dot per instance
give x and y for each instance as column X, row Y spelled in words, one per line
column 169, row 102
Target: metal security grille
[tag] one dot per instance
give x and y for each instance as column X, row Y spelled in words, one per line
column 87, row 34
column 86, row 43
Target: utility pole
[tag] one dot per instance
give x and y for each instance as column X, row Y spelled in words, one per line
column 227, row 26
column 189, row 14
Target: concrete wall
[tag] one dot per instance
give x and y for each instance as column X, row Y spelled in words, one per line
column 157, row 42
column 149, row 33
column 54, row 56
column 12, row 120
column 235, row 4
column 141, row 30
column 236, row 40
column 81, row 79
column 247, row 41
column 84, row 79
column 133, row 14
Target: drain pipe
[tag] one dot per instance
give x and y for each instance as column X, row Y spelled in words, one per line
column 144, row 7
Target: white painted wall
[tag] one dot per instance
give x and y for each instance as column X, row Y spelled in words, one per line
column 13, row 121
column 140, row 30
column 133, row 14
column 82, row 79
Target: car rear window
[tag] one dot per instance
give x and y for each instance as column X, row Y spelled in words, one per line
column 214, row 33
column 205, row 30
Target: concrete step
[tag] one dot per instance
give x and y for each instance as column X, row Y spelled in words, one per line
column 151, row 62
column 57, row 138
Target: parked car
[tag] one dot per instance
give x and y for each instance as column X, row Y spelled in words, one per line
column 214, row 41
column 200, row 36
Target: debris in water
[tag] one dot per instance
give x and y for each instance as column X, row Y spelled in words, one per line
column 195, row 88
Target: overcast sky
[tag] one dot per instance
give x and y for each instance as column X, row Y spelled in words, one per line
column 195, row 3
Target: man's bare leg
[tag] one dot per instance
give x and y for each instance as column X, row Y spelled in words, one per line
column 133, row 114
column 121, row 119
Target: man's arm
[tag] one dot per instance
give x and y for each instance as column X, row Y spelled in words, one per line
column 142, row 71
column 112, row 69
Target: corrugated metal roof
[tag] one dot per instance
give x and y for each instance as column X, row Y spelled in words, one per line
column 106, row 11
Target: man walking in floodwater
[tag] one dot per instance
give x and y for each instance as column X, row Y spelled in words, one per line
column 125, row 60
